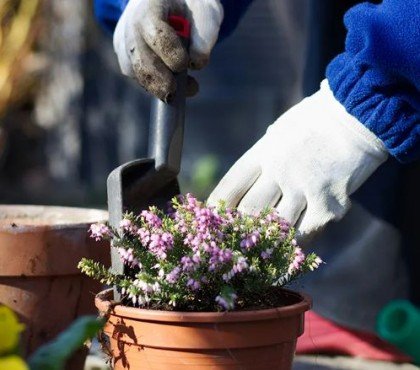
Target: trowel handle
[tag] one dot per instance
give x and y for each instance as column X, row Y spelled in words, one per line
column 167, row 119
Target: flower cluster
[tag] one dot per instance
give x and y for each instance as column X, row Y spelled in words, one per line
column 198, row 257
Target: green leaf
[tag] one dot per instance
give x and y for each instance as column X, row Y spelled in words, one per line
column 53, row 355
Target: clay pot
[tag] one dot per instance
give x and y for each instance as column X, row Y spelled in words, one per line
column 140, row 339
column 40, row 248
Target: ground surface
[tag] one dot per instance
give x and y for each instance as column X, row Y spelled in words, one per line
column 305, row 363
column 345, row 363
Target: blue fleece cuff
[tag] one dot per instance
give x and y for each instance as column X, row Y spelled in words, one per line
column 108, row 12
column 385, row 109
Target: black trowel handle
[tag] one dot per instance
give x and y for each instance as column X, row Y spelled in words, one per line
column 167, row 119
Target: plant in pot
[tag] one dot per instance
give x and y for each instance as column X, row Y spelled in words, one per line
column 202, row 289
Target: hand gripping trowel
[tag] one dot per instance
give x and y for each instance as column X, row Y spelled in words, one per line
column 136, row 185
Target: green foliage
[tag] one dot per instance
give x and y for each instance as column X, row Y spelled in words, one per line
column 53, row 356
column 201, row 258
column 203, row 177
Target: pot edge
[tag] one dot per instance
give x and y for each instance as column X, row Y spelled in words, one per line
column 96, row 215
column 104, row 303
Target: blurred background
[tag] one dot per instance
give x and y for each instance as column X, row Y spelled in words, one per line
column 68, row 117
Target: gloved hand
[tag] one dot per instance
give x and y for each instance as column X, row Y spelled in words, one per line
column 149, row 50
column 306, row 165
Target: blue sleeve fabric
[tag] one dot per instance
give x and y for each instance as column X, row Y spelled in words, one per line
column 234, row 10
column 107, row 12
column 377, row 78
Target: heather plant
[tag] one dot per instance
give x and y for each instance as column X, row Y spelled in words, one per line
column 196, row 257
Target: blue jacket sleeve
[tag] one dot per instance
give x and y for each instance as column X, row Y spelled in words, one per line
column 107, row 12
column 377, row 78
column 234, row 10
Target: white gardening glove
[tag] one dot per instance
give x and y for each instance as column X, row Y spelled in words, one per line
column 149, row 50
column 306, row 165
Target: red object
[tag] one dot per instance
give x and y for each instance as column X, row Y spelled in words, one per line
column 326, row 337
column 181, row 25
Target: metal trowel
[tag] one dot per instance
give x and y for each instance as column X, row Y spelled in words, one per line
column 138, row 184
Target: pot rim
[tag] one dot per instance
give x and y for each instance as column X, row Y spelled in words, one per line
column 104, row 303
column 55, row 217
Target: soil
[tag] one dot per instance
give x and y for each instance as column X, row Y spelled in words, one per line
column 270, row 298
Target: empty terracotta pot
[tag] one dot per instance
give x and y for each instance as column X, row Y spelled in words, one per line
column 40, row 248
column 140, row 339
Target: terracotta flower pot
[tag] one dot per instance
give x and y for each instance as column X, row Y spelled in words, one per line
column 140, row 339
column 40, row 248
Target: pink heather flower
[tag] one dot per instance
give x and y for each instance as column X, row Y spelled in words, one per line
column 188, row 264
column 196, row 241
column 222, row 302
column 267, row 253
column 228, row 275
column 99, row 231
column 170, row 210
column 240, row 265
column 151, row 219
column 316, row 263
column 156, row 287
column 141, row 300
column 173, row 276
column 147, row 288
column 270, row 230
column 188, row 239
column 161, row 272
column 230, row 216
column 273, row 217
column 219, row 235
column 225, row 255
column 144, row 236
column 180, row 225
column 250, row 240
column 298, row 259
column 207, row 247
column 218, row 256
column 160, row 244
column 193, row 284
column 127, row 256
column 284, row 226
column 127, row 225
column 196, row 258
column 227, row 303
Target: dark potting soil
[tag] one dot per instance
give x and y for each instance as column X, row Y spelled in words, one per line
column 269, row 298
